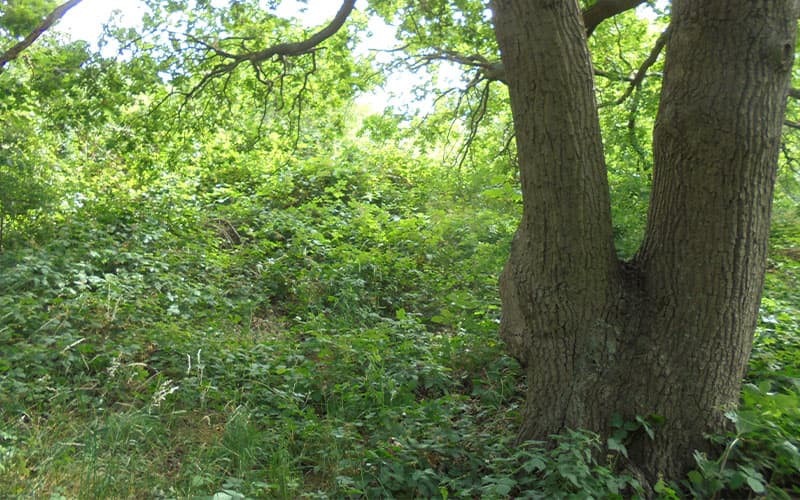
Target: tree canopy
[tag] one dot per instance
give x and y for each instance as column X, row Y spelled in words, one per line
column 223, row 273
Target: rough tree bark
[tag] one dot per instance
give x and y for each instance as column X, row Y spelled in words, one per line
column 669, row 332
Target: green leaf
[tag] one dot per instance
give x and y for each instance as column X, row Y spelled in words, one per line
column 755, row 484
column 615, row 445
column 791, row 450
column 695, row 477
column 646, row 426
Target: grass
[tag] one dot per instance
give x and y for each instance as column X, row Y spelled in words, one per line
column 336, row 348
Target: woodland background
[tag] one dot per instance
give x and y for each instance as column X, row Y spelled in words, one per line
column 259, row 288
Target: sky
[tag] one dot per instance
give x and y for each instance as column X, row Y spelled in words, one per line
column 85, row 22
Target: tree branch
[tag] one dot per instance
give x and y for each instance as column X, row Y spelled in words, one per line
column 794, row 93
column 791, row 124
column 288, row 49
column 489, row 70
column 48, row 21
column 642, row 72
column 592, row 17
column 616, row 77
column 603, row 9
column 305, row 46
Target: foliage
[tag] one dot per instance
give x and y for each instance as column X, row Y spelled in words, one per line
column 618, row 53
column 761, row 454
column 19, row 17
column 25, row 183
column 214, row 298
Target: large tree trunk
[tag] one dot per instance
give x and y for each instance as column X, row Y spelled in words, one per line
column 668, row 333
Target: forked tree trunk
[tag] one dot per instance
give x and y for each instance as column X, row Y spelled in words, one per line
column 668, row 333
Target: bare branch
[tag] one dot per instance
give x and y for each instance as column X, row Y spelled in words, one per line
column 791, row 124
column 794, row 93
column 603, row 9
column 617, row 77
column 48, row 21
column 632, row 137
column 476, row 114
column 592, row 17
column 298, row 100
column 642, row 71
column 305, row 46
column 489, row 70
column 494, row 71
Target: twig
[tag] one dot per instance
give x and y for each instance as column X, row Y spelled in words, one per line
column 636, row 81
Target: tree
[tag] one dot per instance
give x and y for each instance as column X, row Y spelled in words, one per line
column 668, row 333
column 664, row 336
column 17, row 19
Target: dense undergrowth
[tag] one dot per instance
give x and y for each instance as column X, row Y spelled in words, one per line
column 269, row 293
column 322, row 329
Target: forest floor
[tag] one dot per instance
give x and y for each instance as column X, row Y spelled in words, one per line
column 324, row 338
